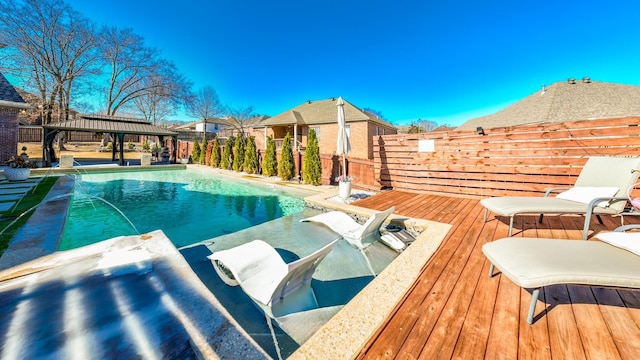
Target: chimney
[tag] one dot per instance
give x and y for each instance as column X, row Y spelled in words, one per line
column 586, row 79
column 571, row 81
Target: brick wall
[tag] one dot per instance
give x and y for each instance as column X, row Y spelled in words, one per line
column 8, row 133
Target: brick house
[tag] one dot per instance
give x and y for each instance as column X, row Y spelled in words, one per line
column 11, row 103
column 321, row 115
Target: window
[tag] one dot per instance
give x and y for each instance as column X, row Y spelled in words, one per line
column 377, row 130
column 348, row 129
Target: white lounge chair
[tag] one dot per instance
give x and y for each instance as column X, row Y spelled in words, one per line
column 356, row 234
column 276, row 287
column 601, row 188
column 533, row 263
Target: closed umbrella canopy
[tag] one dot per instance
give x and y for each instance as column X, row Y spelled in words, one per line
column 343, row 147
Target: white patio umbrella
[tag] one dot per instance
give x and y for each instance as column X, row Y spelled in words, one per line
column 343, row 139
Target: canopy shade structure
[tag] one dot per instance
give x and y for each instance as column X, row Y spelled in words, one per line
column 115, row 125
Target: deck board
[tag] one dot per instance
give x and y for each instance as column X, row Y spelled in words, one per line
column 456, row 310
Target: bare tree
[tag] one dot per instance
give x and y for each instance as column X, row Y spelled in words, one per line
column 52, row 47
column 163, row 96
column 129, row 63
column 239, row 118
column 205, row 104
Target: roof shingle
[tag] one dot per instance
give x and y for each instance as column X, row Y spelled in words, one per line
column 321, row 112
column 566, row 101
column 9, row 97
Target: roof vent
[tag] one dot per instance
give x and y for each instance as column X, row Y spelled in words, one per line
column 571, row 81
column 544, row 89
column 586, row 79
column 308, row 101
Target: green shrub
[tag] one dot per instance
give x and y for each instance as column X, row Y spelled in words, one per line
column 270, row 161
column 227, row 154
column 250, row 165
column 238, row 158
column 312, row 167
column 145, row 145
column 215, row 153
column 195, row 154
column 203, row 154
column 286, row 167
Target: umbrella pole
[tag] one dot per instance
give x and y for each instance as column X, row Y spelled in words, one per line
column 344, row 165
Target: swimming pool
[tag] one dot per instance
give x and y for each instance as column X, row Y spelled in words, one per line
column 188, row 205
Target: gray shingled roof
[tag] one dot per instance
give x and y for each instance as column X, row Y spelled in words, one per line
column 566, row 101
column 321, row 112
column 111, row 124
column 9, row 97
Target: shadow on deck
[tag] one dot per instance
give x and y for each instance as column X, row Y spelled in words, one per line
column 455, row 310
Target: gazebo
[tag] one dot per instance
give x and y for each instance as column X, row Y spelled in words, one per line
column 116, row 126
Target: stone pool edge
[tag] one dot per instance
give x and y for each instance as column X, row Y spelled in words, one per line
column 346, row 334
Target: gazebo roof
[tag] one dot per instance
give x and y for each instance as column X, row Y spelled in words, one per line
column 111, row 124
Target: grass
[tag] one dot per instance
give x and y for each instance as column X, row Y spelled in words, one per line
column 31, row 199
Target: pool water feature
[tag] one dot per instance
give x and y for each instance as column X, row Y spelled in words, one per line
column 188, row 205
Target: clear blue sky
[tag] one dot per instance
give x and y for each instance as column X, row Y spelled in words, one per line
column 445, row 61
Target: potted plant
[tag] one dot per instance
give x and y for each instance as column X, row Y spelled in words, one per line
column 19, row 169
column 344, row 186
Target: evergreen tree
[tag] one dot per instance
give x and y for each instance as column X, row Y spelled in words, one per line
column 203, row 154
column 312, row 167
column 270, row 161
column 286, row 167
column 215, row 153
column 195, row 155
column 238, row 159
column 227, row 154
column 250, row 165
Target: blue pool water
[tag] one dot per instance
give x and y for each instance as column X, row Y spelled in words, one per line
column 188, row 205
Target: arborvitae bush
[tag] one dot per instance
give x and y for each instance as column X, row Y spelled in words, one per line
column 250, row 165
column 207, row 160
column 238, row 158
column 145, row 144
column 227, row 154
column 312, row 167
column 203, row 154
column 215, row 153
column 195, row 154
column 286, row 167
column 270, row 161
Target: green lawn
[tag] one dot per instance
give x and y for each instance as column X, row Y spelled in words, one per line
column 30, row 200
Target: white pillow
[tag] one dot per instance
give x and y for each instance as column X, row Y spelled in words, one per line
column 584, row 194
column 625, row 240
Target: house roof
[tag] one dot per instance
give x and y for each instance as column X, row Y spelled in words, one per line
column 321, row 112
column 9, row 97
column 111, row 124
column 566, row 101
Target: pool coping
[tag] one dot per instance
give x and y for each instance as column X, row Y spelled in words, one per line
column 347, row 332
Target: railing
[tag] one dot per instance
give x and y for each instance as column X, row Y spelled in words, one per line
column 522, row 160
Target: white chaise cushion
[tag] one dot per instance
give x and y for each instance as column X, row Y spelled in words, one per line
column 625, row 240
column 584, row 194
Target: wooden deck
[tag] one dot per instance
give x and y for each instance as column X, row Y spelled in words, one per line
column 455, row 310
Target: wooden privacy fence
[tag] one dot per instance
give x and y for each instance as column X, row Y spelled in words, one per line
column 521, row 160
